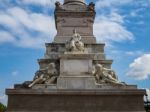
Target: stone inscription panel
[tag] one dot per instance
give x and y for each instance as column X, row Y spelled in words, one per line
column 71, row 67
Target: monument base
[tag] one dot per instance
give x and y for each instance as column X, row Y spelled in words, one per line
column 102, row 100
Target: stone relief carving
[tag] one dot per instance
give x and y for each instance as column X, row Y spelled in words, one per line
column 45, row 76
column 104, row 75
column 91, row 7
column 75, row 43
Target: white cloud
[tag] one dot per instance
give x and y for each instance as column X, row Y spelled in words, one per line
column 140, row 68
column 133, row 14
column 109, row 28
column 49, row 3
column 21, row 24
column 111, row 3
column 6, row 20
column 116, row 51
column 29, row 29
column 117, row 3
column 6, row 37
column 37, row 2
column 15, row 73
column 33, row 21
column 134, row 53
column 2, row 97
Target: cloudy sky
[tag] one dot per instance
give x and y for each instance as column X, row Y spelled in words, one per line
column 25, row 25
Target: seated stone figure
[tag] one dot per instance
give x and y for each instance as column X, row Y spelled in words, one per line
column 104, row 75
column 75, row 44
column 45, row 76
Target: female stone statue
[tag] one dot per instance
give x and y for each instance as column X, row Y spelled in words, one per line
column 75, row 43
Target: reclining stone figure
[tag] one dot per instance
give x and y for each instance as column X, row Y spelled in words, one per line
column 45, row 76
column 104, row 75
column 52, row 74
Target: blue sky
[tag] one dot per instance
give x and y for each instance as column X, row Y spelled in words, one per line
column 25, row 25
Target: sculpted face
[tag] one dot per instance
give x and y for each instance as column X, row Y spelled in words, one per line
column 99, row 67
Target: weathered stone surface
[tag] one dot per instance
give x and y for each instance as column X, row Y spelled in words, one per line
column 45, row 86
column 75, row 67
column 83, row 78
column 76, row 82
column 118, row 87
column 44, row 62
column 63, row 39
column 71, row 16
column 76, row 64
column 75, row 100
column 60, row 48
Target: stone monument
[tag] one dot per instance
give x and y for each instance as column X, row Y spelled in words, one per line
column 74, row 75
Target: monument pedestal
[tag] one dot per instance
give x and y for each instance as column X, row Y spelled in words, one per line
column 103, row 100
column 76, row 71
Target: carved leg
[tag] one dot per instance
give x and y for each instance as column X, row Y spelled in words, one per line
column 35, row 82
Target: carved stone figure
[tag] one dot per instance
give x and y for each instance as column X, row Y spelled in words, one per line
column 104, row 75
column 52, row 74
column 58, row 6
column 91, row 7
column 75, row 44
column 45, row 76
column 40, row 78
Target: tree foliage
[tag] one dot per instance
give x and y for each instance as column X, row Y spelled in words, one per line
column 2, row 108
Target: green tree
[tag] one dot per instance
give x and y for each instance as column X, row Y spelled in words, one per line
column 2, row 108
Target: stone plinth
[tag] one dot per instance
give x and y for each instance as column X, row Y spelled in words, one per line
column 45, row 100
column 76, row 64
column 76, row 71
